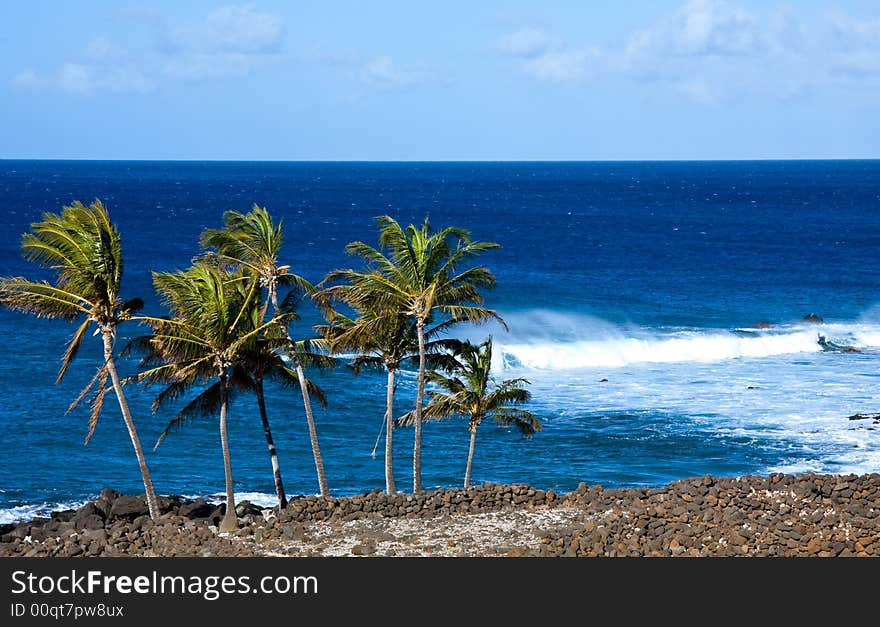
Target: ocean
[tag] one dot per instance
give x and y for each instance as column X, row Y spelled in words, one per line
column 657, row 309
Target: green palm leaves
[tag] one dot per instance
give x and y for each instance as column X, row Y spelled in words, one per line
column 214, row 319
column 469, row 391
column 252, row 242
column 418, row 275
column 82, row 248
column 228, row 328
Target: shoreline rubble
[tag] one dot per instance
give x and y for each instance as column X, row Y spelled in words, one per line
column 777, row 515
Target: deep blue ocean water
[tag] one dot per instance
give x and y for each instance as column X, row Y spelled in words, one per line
column 631, row 290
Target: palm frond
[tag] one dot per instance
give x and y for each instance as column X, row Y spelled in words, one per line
column 72, row 349
column 85, row 391
column 206, row 404
column 98, row 401
column 42, row 299
column 525, row 421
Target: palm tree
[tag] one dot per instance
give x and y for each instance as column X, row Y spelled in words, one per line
column 423, row 275
column 376, row 340
column 214, row 321
column 263, row 361
column 259, row 361
column 472, row 393
column 84, row 250
column 253, row 242
column 380, row 339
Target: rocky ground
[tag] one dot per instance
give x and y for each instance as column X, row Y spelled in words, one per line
column 779, row 515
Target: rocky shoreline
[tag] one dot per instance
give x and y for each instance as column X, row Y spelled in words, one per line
column 778, row 515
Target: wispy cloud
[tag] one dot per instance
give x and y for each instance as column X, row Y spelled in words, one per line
column 563, row 66
column 243, row 30
column 384, row 73
column 710, row 51
column 547, row 58
column 77, row 78
column 229, row 42
column 527, row 42
column 700, row 27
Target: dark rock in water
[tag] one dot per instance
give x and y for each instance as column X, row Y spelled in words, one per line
column 763, row 324
column 813, row 318
column 874, row 417
column 129, row 507
column 835, row 347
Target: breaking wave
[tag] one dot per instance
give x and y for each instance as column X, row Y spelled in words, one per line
column 559, row 342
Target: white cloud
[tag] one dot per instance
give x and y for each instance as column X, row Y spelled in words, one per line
column 243, row 29
column 566, row 66
column 712, row 51
column 699, row 27
column 546, row 58
column 82, row 79
column 526, row 42
column 229, row 42
column 383, row 72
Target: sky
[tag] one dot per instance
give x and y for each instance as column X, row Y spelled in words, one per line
column 453, row 80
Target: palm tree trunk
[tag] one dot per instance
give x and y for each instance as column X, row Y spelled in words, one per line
column 149, row 491
column 420, row 394
column 273, row 455
column 313, row 433
column 389, row 433
column 470, row 460
column 230, row 520
column 307, row 404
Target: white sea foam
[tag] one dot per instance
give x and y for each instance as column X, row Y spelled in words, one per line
column 571, row 342
column 35, row 510
column 263, row 499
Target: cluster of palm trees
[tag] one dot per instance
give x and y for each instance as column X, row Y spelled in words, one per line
column 228, row 328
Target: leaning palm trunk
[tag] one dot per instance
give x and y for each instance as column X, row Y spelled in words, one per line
column 230, row 520
column 420, row 395
column 307, row 404
column 389, row 434
column 273, row 454
column 313, row 433
column 470, row 460
column 149, row 491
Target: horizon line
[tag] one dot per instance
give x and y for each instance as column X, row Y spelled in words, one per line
column 622, row 160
